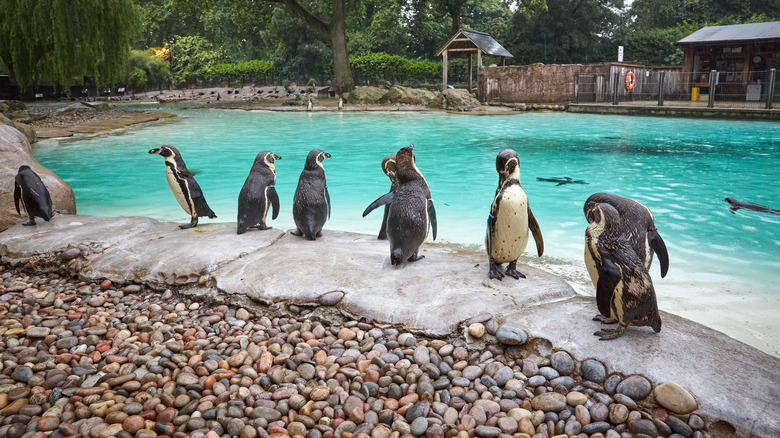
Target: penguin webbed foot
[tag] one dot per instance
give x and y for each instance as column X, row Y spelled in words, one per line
column 415, row 257
column 494, row 272
column 261, row 227
column 511, row 270
column 604, row 319
column 193, row 223
column 297, row 232
column 29, row 223
column 609, row 334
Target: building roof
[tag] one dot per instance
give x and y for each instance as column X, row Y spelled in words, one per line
column 472, row 39
column 734, row 32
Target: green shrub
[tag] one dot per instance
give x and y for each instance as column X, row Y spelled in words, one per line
column 381, row 66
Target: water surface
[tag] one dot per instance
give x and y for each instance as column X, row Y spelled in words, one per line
column 724, row 267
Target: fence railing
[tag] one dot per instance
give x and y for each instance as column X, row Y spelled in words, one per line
column 714, row 89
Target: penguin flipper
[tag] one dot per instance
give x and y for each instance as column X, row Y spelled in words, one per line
column 659, row 247
column 274, row 198
column 17, row 196
column 385, row 199
column 536, row 231
column 327, row 199
column 432, row 217
column 609, row 277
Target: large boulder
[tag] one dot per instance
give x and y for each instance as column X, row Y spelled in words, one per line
column 455, row 100
column 9, row 106
column 15, row 151
column 27, row 130
column 366, row 95
column 408, row 96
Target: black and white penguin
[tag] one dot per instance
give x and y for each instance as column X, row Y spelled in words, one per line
column 411, row 211
column 639, row 225
column 311, row 203
column 32, row 194
column 624, row 290
column 341, row 103
column 183, row 185
column 389, row 168
column 510, row 219
column 258, row 194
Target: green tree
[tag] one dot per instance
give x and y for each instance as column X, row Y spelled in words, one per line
column 143, row 68
column 192, row 58
column 60, row 42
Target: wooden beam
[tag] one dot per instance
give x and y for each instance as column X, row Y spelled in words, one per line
column 479, row 58
column 470, row 68
column 474, row 49
column 444, row 71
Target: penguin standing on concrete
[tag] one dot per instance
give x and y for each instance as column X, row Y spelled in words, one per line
column 311, row 203
column 183, row 185
column 258, row 194
column 624, row 290
column 341, row 103
column 639, row 225
column 510, row 219
column 32, row 194
column 389, row 168
column 308, row 106
column 411, row 210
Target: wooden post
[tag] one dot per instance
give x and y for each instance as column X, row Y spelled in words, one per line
column 770, row 88
column 615, row 80
column 661, row 76
column 471, row 55
column 444, row 72
column 479, row 58
column 713, row 81
column 576, row 88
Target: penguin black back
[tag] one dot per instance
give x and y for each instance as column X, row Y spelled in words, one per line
column 32, row 194
column 637, row 220
column 389, row 168
column 311, row 203
column 258, row 194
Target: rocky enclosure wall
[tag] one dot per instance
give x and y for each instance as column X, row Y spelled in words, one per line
column 534, row 83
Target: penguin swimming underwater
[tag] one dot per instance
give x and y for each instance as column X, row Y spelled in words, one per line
column 32, row 194
column 389, row 168
column 624, row 290
column 183, row 185
column 510, row 219
column 258, row 194
column 411, row 210
column 311, row 203
column 638, row 222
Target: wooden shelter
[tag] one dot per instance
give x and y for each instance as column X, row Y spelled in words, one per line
column 740, row 51
column 464, row 44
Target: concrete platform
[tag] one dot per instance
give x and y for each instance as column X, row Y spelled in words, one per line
column 731, row 381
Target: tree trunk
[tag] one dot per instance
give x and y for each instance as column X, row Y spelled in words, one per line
column 342, row 73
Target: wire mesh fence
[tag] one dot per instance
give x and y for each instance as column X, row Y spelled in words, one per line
column 716, row 89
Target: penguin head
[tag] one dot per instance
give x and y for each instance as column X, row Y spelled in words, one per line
column 406, row 167
column 507, row 165
column 266, row 158
column 315, row 158
column 389, row 166
column 24, row 168
column 602, row 214
column 166, row 151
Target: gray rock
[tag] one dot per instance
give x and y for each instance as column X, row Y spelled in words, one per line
column 487, row 432
column 594, row 370
column 22, row 374
column 419, row 426
column 331, row 298
column 636, row 387
column 419, row 409
column 597, row 427
column 562, row 362
column 643, row 426
column 510, row 335
column 611, row 383
column 679, row 426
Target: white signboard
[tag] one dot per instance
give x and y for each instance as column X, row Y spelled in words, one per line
column 620, row 53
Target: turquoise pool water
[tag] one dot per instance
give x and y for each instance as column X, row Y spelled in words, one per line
column 724, row 268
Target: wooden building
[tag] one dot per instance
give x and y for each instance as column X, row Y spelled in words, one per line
column 741, row 53
column 464, row 44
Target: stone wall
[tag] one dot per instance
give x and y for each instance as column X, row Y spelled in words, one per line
column 534, row 83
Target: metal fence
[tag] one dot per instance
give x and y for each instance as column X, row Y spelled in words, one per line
column 714, row 89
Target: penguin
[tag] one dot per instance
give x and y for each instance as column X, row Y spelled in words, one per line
column 341, row 103
column 311, row 203
column 624, row 290
column 735, row 205
column 411, row 211
column 638, row 223
column 388, row 167
column 308, row 106
column 183, row 185
column 258, row 194
column 32, row 194
column 510, row 219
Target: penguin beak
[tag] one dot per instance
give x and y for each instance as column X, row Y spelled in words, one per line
column 327, row 155
column 154, row 151
column 277, row 157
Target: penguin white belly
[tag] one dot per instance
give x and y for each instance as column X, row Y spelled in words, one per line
column 590, row 262
column 178, row 193
column 510, row 232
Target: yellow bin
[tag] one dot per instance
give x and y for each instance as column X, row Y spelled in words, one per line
column 694, row 94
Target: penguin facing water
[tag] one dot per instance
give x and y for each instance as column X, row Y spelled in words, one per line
column 32, row 194
column 411, row 211
column 183, row 185
column 258, row 194
column 510, row 219
column 624, row 290
column 311, row 203
column 639, row 225
column 389, row 168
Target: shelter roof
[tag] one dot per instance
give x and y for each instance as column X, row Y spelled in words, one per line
column 466, row 39
column 735, row 32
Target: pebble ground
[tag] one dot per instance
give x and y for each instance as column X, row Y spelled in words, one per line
column 99, row 360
